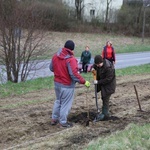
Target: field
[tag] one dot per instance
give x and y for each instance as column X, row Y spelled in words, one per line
column 96, row 42
column 25, row 113
column 25, row 119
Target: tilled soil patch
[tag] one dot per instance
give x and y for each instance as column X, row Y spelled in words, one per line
column 27, row 125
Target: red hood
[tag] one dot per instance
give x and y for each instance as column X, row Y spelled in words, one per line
column 64, row 53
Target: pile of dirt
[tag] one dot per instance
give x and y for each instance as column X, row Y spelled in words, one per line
column 25, row 119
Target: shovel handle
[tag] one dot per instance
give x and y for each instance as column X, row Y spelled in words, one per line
column 96, row 98
column 95, row 78
column 94, row 74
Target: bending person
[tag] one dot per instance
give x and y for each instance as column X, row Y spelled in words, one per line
column 106, row 83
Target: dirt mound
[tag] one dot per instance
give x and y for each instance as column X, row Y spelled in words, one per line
column 25, row 120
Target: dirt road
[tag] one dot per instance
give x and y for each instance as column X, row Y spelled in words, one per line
column 25, row 119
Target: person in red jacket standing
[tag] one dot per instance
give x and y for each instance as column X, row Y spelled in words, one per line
column 65, row 68
column 108, row 52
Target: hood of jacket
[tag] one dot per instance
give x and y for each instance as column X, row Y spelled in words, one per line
column 64, row 53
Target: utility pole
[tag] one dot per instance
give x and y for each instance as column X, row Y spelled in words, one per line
column 143, row 28
column 144, row 14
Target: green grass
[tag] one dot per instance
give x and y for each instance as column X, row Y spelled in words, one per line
column 10, row 89
column 142, row 69
column 134, row 137
column 133, row 48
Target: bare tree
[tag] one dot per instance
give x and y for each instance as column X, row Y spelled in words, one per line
column 79, row 7
column 146, row 3
column 107, row 12
column 20, row 38
column 130, row 17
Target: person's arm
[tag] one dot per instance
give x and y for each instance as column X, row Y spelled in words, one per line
column 102, row 53
column 114, row 56
column 81, row 60
column 51, row 66
column 89, row 58
column 73, row 71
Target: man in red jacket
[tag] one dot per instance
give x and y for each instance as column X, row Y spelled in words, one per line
column 65, row 68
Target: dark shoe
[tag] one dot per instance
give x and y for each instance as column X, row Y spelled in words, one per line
column 54, row 122
column 107, row 117
column 100, row 117
column 66, row 125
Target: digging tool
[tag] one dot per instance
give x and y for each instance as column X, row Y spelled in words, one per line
column 137, row 98
column 94, row 77
column 87, row 106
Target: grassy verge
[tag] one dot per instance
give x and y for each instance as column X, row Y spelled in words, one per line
column 10, row 89
column 133, row 48
column 132, row 138
column 142, row 69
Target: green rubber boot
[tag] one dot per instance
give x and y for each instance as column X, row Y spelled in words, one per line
column 104, row 115
column 105, row 112
column 100, row 117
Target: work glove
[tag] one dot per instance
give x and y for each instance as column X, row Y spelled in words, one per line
column 92, row 69
column 87, row 84
column 95, row 82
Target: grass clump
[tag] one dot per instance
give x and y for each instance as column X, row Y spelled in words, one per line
column 132, row 138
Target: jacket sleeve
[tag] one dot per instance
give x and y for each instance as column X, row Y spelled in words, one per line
column 51, row 66
column 89, row 58
column 102, row 53
column 73, row 71
column 114, row 56
column 81, row 57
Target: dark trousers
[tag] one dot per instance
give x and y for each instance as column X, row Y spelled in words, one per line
column 106, row 101
column 84, row 67
column 110, row 60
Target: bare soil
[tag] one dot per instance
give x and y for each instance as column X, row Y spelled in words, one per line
column 25, row 119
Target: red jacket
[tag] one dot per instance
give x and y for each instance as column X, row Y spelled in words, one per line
column 65, row 68
column 109, row 53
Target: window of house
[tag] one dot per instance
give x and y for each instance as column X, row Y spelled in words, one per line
column 92, row 12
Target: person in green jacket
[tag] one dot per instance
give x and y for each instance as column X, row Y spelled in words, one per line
column 85, row 59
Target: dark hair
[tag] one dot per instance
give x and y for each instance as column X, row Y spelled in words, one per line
column 109, row 42
column 98, row 59
column 69, row 44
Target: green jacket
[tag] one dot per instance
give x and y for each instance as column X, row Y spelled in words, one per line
column 85, row 57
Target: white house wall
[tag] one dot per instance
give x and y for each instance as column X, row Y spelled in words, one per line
column 70, row 3
column 100, row 8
